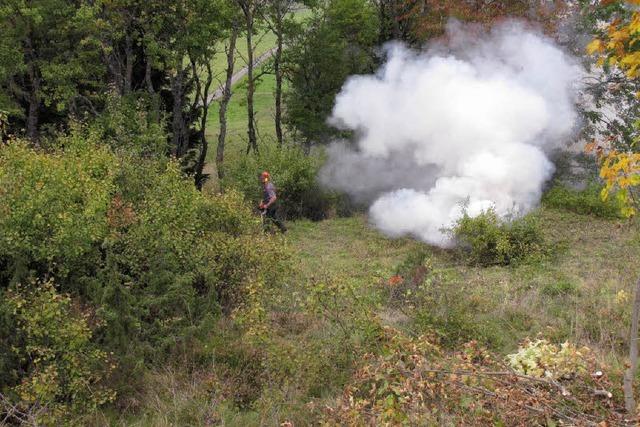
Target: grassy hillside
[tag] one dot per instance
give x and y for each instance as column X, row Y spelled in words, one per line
column 319, row 326
column 309, row 337
column 586, row 279
column 579, row 292
column 264, row 107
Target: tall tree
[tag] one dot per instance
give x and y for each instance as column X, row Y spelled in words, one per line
column 616, row 46
column 204, row 29
column 422, row 20
column 392, row 18
column 339, row 40
column 50, row 65
column 172, row 30
column 230, row 48
column 121, row 29
column 251, row 12
column 277, row 15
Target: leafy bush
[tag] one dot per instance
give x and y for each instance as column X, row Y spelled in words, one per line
column 487, row 239
column 584, row 202
column 543, row 359
column 62, row 372
column 294, row 175
column 53, row 206
column 131, row 238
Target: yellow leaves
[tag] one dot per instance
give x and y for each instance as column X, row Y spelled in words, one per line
column 621, row 173
column 631, row 63
column 622, row 297
column 596, row 46
column 617, row 45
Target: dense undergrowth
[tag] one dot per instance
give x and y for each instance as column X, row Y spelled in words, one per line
column 295, row 172
column 182, row 312
column 486, row 239
column 586, row 201
column 126, row 263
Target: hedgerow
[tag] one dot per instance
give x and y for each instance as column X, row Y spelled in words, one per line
column 129, row 239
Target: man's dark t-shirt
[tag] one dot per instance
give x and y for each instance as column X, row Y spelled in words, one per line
column 269, row 192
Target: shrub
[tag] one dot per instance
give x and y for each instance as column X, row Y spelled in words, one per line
column 131, row 238
column 543, row 359
column 53, row 206
column 584, row 202
column 62, row 372
column 294, row 174
column 487, row 239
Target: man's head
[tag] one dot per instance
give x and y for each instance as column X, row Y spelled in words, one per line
column 265, row 177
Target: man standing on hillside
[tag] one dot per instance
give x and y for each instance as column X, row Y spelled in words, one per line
column 267, row 206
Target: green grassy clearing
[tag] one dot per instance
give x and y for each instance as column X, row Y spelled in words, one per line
column 580, row 292
column 264, row 107
column 263, row 41
column 237, row 115
column 236, row 140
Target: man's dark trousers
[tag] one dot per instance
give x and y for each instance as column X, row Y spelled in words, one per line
column 271, row 216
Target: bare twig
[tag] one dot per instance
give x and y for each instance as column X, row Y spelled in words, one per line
column 629, row 399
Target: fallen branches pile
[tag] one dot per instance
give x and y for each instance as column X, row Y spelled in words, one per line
column 415, row 382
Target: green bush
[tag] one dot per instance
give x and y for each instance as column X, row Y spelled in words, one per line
column 584, row 202
column 126, row 125
column 130, row 237
column 294, row 175
column 487, row 239
column 62, row 372
column 53, row 206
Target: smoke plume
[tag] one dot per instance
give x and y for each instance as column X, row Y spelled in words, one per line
column 466, row 123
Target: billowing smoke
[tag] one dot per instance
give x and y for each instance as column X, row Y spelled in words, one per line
column 463, row 124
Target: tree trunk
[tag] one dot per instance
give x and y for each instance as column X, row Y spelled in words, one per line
column 224, row 102
column 629, row 399
column 128, row 75
column 147, row 76
column 251, row 131
column 178, row 141
column 153, row 97
column 395, row 18
column 34, row 93
column 203, row 92
column 34, row 107
column 278, row 72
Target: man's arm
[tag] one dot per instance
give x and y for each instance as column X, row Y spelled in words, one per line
column 271, row 192
column 271, row 201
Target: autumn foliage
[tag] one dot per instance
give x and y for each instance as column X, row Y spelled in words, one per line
column 428, row 18
column 415, row 382
column 616, row 47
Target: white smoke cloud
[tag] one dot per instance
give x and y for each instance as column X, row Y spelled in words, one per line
column 467, row 122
